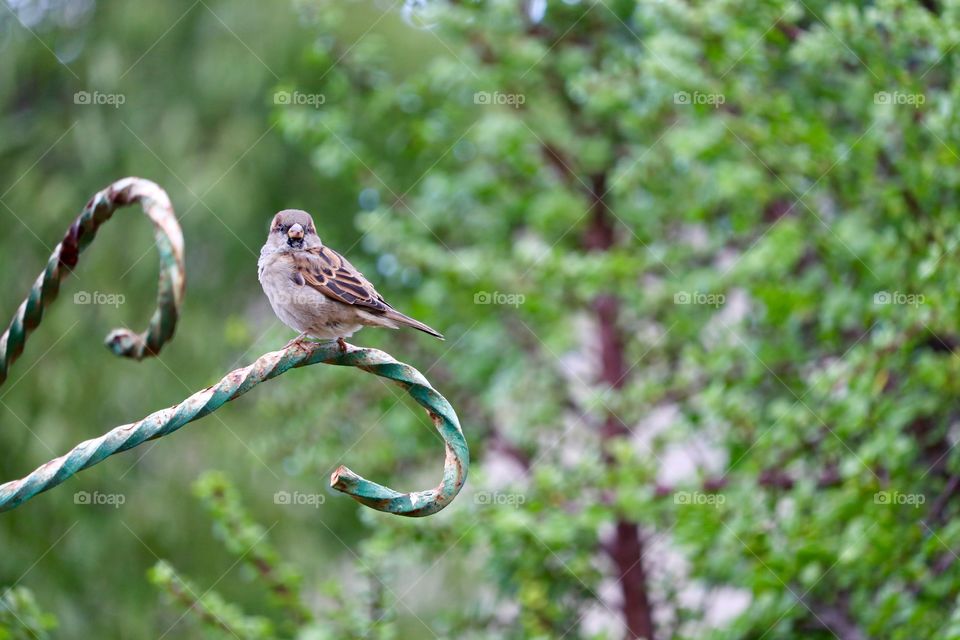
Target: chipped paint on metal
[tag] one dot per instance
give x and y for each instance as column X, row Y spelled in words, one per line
column 238, row 382
column 123, row 342
column 126, row 343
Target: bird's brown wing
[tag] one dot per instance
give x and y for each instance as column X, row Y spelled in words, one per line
column 332, row 275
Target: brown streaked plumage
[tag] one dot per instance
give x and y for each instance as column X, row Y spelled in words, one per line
column 315, row 290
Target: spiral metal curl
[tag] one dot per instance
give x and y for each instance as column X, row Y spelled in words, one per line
column 238, row 382
column 123, row 342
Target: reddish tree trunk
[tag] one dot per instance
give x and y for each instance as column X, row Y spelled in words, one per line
column 626, row 551
column 627, row 554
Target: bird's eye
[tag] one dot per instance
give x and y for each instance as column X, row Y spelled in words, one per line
column 283, row 228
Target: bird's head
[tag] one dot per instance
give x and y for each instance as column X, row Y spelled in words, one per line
column 292, row 230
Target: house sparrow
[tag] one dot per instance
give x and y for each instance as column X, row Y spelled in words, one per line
column 315, row 290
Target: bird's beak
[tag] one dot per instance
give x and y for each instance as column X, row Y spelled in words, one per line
column 295, row 232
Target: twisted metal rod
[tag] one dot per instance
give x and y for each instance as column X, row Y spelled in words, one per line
column 238, row 382
column 123, row 342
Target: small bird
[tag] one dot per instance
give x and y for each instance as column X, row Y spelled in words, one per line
column 315, row 290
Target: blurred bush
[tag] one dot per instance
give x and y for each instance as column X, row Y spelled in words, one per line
column 694, row 263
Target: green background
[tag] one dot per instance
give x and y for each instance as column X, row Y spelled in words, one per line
column 696, row 267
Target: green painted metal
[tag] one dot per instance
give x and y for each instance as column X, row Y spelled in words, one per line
column 123, row 342
column 238, row 382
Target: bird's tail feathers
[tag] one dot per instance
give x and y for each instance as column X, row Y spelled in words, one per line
column 399, row 318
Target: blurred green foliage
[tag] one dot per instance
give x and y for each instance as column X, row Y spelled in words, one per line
column 21, row 618
column 695, row 263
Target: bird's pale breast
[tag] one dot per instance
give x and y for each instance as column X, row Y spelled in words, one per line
column 302, row 307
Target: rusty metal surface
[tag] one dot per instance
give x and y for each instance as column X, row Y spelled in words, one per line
column 169, row 239
column 238, row 382
column 126, row 343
